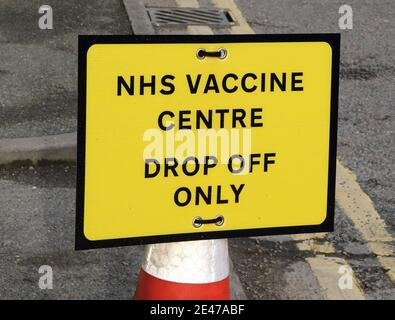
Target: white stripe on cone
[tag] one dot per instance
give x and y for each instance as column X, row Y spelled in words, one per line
column 202, row 261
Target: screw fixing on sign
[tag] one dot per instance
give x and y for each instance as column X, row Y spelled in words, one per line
column 192, row 270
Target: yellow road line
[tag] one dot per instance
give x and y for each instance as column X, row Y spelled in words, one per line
column 358, row 206
column 199, row 30
column 187, row 3
column 389, row 265
column 315, row 246
column 308, row 236
column 381, row 249
column 194, row 29
column 326, row 270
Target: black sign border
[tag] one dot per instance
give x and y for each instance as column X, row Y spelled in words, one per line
column 84, row 43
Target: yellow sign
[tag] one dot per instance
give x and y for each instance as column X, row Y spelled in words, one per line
column 196, row 137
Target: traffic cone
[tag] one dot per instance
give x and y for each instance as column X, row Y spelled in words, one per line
column 192, row 270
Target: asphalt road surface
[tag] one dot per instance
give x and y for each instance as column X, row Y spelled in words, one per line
column 37, row 228
column 38, row 71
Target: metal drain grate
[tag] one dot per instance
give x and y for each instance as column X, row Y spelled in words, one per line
column 190, row 16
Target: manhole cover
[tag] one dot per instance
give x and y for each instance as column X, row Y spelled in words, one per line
column 190, row 16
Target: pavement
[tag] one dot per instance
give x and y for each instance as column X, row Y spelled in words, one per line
column 38, row 99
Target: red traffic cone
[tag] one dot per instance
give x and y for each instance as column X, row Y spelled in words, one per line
column 193, row 270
